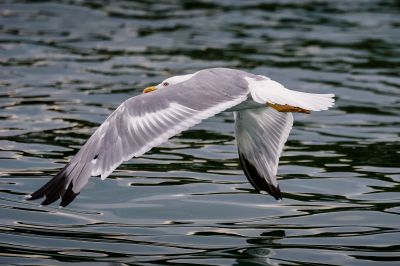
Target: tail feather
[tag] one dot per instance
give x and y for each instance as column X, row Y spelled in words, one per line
column 264, row 90
column 313, row 101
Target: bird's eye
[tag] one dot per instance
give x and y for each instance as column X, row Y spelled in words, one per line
column 165, row 84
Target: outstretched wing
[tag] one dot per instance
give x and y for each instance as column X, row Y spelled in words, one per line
column 260, row 135
column 140, row 123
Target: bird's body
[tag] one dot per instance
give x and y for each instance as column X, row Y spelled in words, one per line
column 263, row 120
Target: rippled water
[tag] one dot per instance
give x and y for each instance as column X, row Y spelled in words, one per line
column 65, row 66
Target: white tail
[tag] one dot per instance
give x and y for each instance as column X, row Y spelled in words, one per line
column 269, row 91
column 313, row 101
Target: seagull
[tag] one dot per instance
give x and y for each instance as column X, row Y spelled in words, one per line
column 263, row 116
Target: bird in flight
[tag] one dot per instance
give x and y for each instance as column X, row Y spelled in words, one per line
column 263, row 119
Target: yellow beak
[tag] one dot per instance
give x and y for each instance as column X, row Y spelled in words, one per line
column 149, row 89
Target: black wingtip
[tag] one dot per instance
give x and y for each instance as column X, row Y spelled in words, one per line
column 55, row 189
column 274, row 192
column 68, row 196
column 257, row 181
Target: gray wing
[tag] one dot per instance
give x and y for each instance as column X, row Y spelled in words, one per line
column 260, row 135
column 143, row 122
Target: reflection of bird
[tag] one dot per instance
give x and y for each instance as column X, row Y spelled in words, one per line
column 263, row 120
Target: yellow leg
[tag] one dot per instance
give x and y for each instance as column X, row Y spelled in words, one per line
column 288, row 108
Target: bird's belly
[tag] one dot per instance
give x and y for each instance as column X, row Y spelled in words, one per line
column 248, row 104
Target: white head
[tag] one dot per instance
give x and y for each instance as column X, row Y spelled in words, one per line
column 174, row 80
column 169, row 82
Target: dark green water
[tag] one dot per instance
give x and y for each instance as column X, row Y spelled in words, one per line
column 65, row 66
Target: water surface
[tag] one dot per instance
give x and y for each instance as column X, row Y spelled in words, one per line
column 64, row 66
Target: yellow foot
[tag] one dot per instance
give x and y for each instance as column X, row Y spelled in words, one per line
column 288, row 108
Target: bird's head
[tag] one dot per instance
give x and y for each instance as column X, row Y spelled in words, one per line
column 169, row 82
